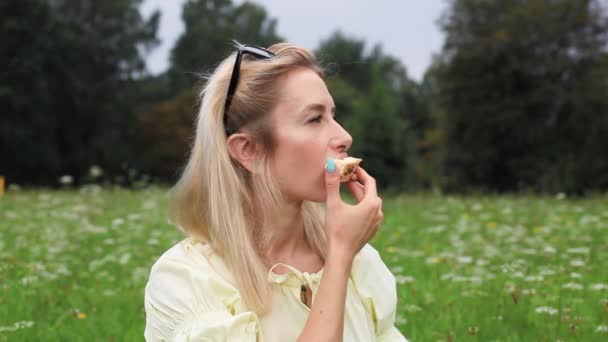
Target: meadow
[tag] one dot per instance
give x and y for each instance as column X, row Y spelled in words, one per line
column 74, row 262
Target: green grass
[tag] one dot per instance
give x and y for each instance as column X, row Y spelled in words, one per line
column 73, row 265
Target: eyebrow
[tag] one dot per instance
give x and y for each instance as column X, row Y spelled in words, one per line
column 317, row 106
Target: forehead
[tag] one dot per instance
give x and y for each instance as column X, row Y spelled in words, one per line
column 301, row 87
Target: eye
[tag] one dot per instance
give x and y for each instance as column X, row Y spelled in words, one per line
column 316, row 119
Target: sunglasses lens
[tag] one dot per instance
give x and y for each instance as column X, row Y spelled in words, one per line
column 258, row 53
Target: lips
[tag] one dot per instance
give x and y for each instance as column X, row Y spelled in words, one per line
column 340, row 156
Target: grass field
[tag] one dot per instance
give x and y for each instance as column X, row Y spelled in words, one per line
column 73, row 265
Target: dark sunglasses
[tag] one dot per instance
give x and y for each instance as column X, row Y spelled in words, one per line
column 255, row 51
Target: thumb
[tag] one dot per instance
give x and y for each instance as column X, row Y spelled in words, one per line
column 332, row 182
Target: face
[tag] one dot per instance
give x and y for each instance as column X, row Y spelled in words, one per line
column 306, row 134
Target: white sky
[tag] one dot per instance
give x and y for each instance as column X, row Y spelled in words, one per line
column 406, row 29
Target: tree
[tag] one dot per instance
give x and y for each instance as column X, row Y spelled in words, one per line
column 382, row 138
column 376, row 102
column 165, row 128
column 516, row 86
column 67, row 68
column 344, row 57
column 164, row 135
column 210, row 27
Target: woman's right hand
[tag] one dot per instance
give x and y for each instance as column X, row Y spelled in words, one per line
column 350, row 227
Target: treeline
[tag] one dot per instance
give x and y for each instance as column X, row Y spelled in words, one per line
column 516, row 100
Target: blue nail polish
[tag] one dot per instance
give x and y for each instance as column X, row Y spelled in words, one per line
column 331, row 166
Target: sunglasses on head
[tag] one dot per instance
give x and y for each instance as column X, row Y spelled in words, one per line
column 255, row 51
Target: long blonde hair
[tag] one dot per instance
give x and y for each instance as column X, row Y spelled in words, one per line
column 213, row 199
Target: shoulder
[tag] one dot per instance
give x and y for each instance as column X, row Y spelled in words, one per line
column 368, row 264
column 189, row 296
column 186, row 274
column 376, row 286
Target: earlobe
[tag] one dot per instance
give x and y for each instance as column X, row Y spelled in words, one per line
column 243, row 149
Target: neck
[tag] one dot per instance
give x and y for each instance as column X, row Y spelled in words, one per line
column 282, row 236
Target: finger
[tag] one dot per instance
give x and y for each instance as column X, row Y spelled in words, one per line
column 377, row 224
column 356, row 189
column 381, row 217
column 332, row 183
column 368, row 182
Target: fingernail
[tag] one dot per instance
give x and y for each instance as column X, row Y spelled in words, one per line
column 330, row 166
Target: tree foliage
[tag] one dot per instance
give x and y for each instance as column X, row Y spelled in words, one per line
column 375, row 103
column 520, row 83
column 210, row 26
column 67, row 70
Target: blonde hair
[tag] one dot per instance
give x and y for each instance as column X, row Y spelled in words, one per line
column 213, row 199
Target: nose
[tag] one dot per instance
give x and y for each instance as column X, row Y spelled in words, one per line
column 341, row 140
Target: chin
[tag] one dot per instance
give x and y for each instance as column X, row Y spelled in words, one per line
column 318, row 196
column 315, row 192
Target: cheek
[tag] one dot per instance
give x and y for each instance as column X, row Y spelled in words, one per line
column 299, row 170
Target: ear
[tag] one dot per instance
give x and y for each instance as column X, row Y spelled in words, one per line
column 245, row 150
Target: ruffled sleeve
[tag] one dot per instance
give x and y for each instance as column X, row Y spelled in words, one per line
column 185, row 301
column 377, row 288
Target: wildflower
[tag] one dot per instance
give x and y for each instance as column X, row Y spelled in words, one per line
column 572, row 286
column 598, row 287
column 433, row 260
column 397, row 269
column 602, row 329
column 509, row 268
column 528, row 292
column 79, row 314
column 404, row 279
column 546, row 309
column 518, row 274
column 14, row 187
column 134, row 217
column 66, row 179
column 95, row 171
column 481, row 262
column 109, row 293
column 464, row 259
column 29, row 280
column 124, row 259
column 412, row 308
column 546, row 271
column 117, row 221
column 549, row 250
column 529, row 251
column 17, row 326
column 534, row 278
column 109, row 241
column 578, row 250
column 436, row 229
column 577, row 263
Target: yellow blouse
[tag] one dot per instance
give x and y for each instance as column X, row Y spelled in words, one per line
column 190, row 296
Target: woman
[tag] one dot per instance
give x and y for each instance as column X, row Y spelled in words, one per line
column 264, row 260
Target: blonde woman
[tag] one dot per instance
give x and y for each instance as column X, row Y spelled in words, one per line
column 264, row 259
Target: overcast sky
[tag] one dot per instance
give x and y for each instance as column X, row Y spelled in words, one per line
column 406, row 29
